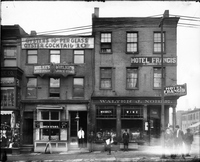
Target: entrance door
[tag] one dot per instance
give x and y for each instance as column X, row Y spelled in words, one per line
column 28, row 128
column 75, row 126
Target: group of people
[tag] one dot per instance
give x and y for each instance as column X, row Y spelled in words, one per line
column 174, row 141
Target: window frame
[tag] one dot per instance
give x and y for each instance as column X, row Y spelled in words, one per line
column 137, row 79
column 33, row 87
column 137, row 42
column 77, row 54
column 164, row 71
column 51, row 54
column 54, row 88
column 102, row 43
column 159, row 43
column 75, row 88
column 111, row 78
column 10, row 58
column 27, row 52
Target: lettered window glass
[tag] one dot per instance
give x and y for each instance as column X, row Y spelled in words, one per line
column 7, row 97
column 132, row 78
column 54, row 90
column 31, row 90
column 78, row 87
column 106, row 78
column 55, row 56
column 10, row 56
column 32, row 56
column 132, row 42
column 157, row 42
column 78, row 56
column 157, row 75
column 106, row 43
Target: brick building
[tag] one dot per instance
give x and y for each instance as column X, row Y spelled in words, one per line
column 127, row 79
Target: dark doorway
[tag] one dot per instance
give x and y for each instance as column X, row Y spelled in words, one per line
column 28, row 128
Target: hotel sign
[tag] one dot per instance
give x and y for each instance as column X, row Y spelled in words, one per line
column 177, row 90
column 54, row 69
column 57, row 43
column 172, row 61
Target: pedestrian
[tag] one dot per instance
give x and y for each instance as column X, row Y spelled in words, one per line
column 109, row 141
column 81, row 135
column 91, row 141
column 168, row 141
column 125, row 140
column 178, row 141
column 188, row 139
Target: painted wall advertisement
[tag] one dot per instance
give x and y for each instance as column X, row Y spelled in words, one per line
column 57, row 43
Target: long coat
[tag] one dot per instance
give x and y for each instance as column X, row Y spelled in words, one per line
column 125, row 138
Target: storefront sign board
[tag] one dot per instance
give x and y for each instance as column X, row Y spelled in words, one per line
column 177, row 90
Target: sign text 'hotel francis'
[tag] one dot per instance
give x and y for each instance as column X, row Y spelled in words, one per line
column 58, row 43
column 141, row 61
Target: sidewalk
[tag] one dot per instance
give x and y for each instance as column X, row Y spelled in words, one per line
column 143, row 154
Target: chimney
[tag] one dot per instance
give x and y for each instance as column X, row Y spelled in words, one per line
column 33, row 32
column 166, row 13
column 96, row 12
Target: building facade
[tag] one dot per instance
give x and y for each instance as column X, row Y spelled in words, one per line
column 11, row 86
column 127, row 77
column 56, row 90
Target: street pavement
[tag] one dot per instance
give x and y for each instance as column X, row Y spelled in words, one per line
column 142, row 154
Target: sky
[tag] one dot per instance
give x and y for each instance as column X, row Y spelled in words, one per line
column 48, row 16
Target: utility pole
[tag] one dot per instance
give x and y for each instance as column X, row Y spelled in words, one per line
column 166, row 14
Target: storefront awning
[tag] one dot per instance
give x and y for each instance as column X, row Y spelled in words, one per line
column 6, row 112
column 50, row 107
column 195, row 125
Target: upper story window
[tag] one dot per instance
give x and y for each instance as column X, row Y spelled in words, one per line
column 7, row 97
column 54, row 89
column 31, row 90
column 157, row 76
column 32, row 56
column 55, row 56
column 10, row 56
column 78, row 56
column 78, row 87
column 132, row 42
column 106, row 42
column 105, row 78
column 132, row 78
column 157, row 42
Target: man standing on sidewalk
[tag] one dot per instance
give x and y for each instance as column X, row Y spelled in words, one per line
column 178, row 141
column 125, row 140
column 81, row 135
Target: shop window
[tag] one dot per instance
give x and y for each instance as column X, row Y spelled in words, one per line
column 106, row 78
column 54, row 90
column 106, row 42
column 78, row 87
column 10, row 56
column 106, row 112
column 132, row 78
column 132, row 42
column 32, row 56
column 157, row 42
column 132, row 112
column 157, row 76
column 78, row 56
column 55, row 56
column 31, row 90
column 7, row 97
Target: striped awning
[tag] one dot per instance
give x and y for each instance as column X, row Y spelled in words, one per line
column 6, row 112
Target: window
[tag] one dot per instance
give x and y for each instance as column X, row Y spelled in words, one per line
column 106, row 78
column 7, row 96
column 78, row 56
column 157, row 42
column 158, row 77
column 78, row 87
column 106, row 44
column 54, row 90
column 32, row 56
column 132, row 78
column 10, row 56
column 31, row 87
column 55, row 56
column 132, row 42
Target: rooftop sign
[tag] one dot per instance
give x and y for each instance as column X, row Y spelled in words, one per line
column 172, row 61
column 177, row 90
column 58, row 43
